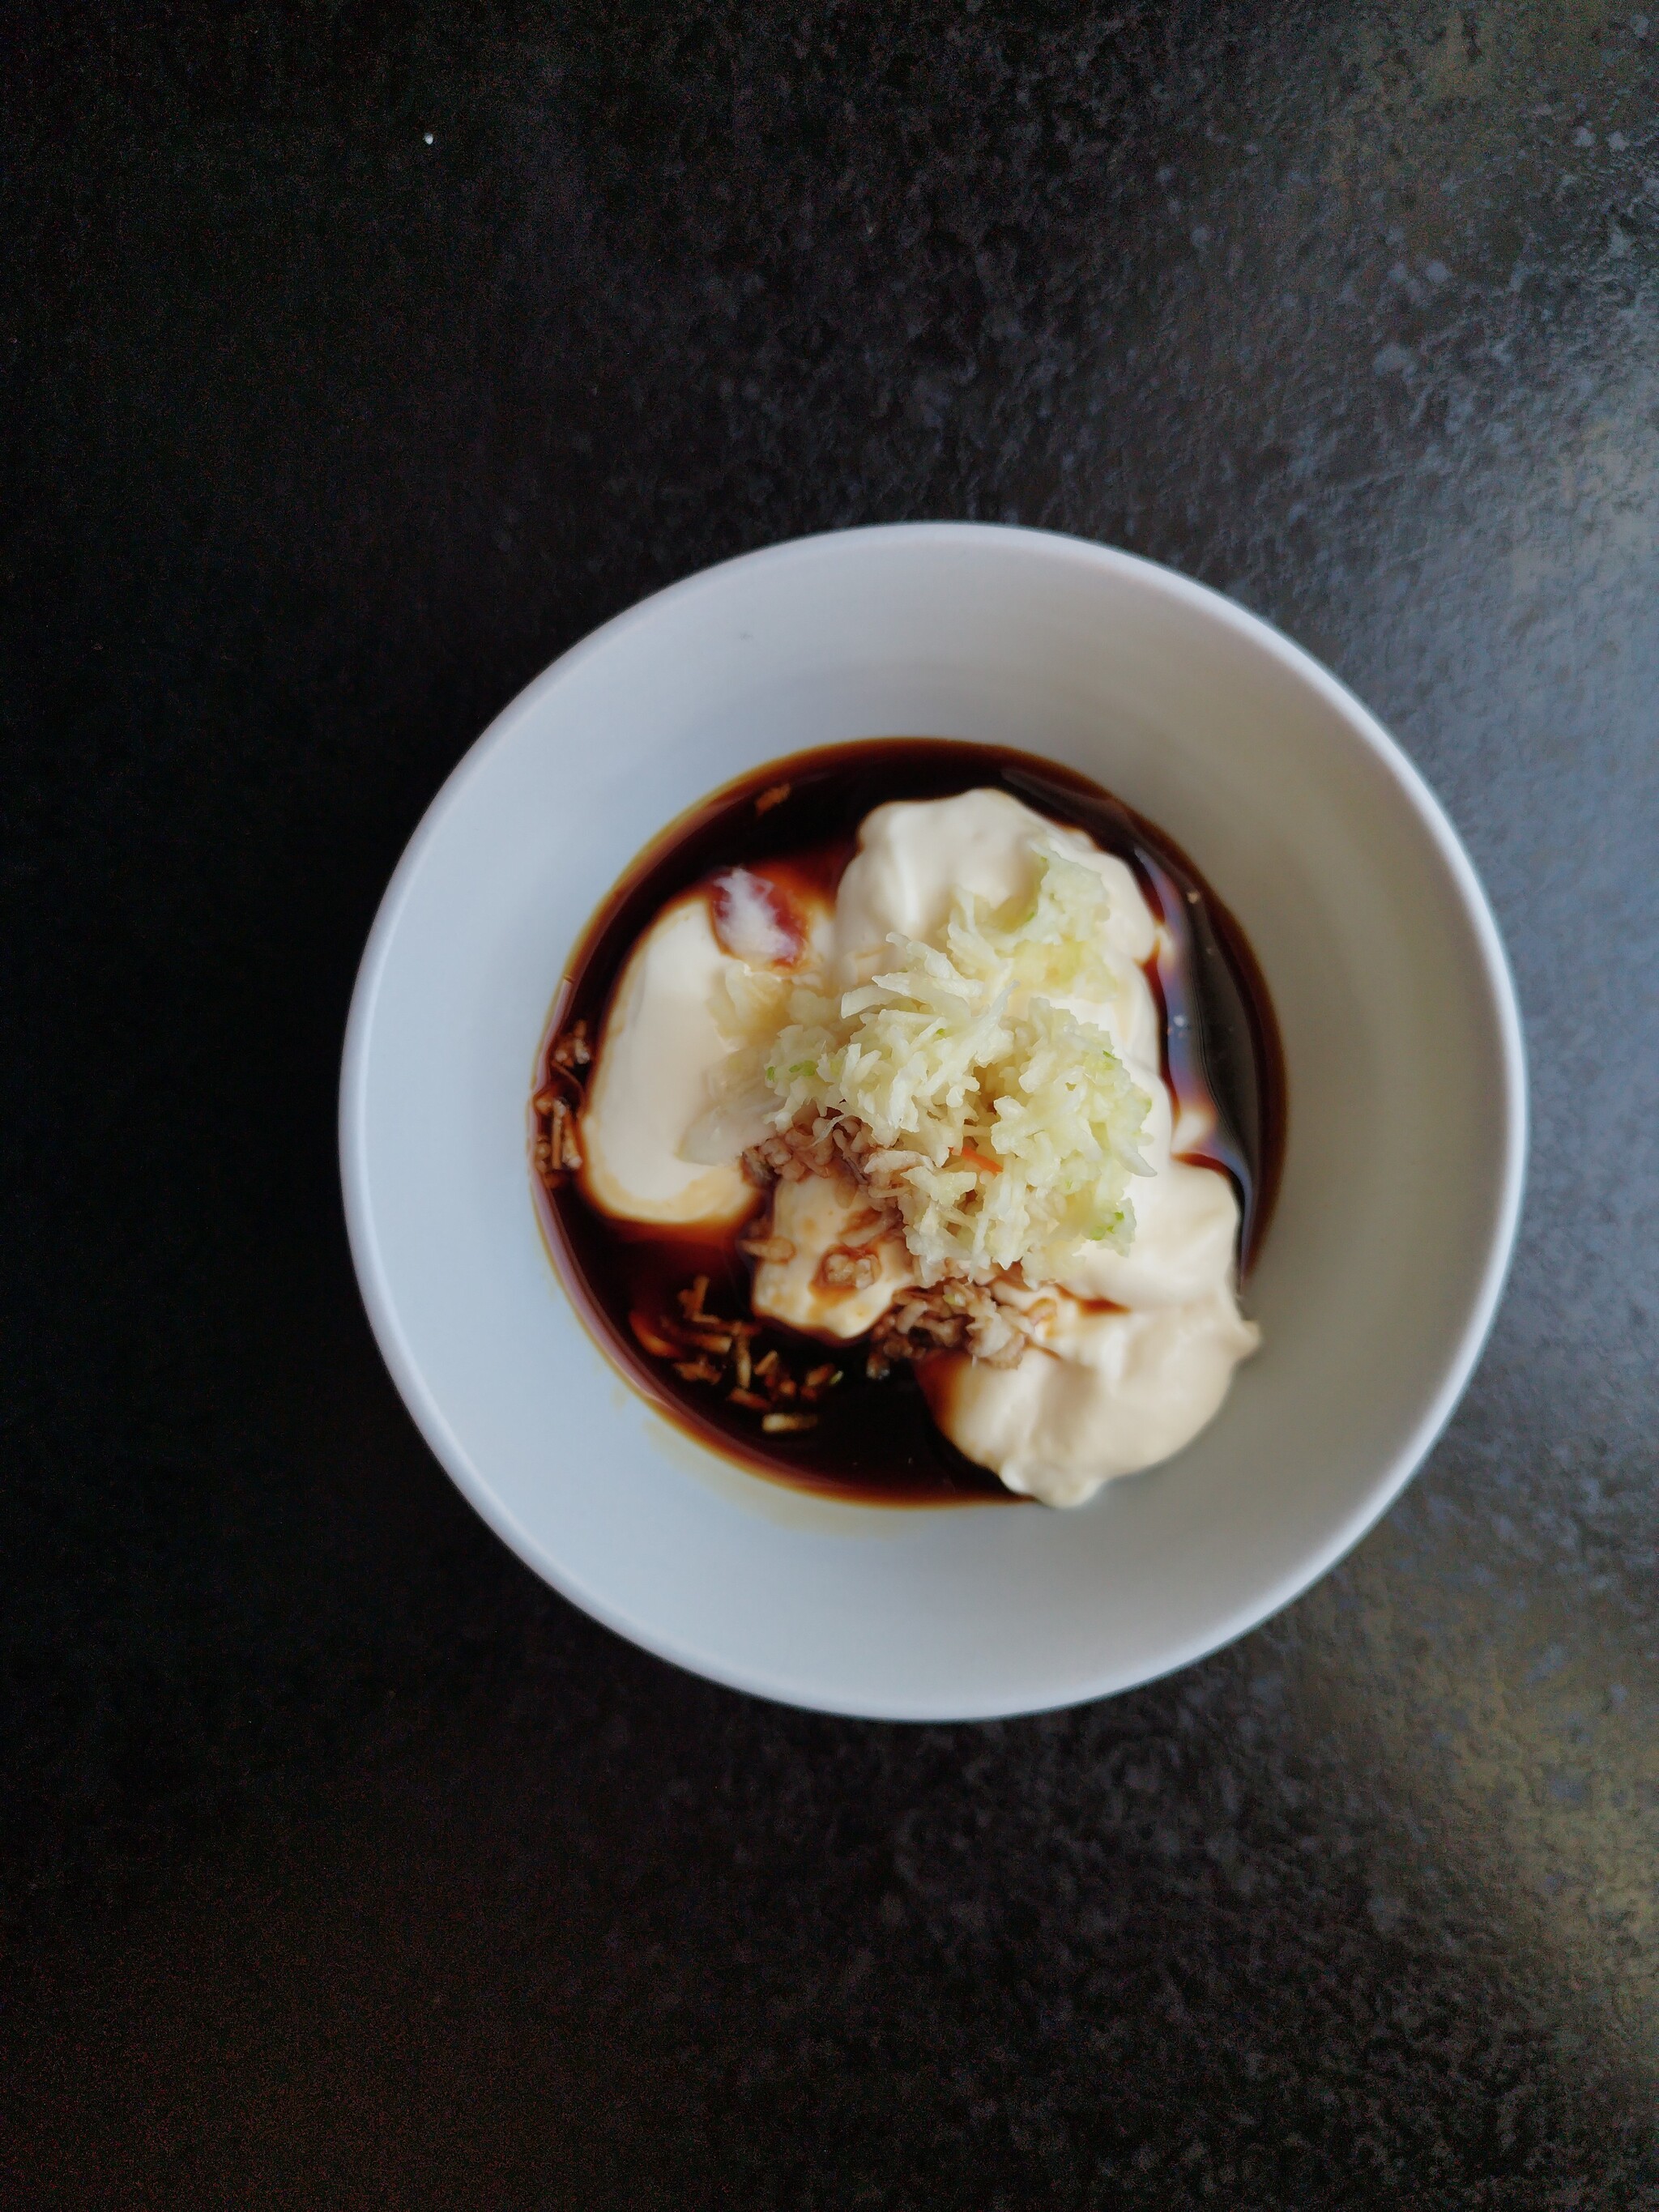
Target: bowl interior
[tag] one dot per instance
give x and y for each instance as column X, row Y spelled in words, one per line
column 1401, row 1170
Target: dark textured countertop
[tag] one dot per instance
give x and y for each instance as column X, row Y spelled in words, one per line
column 359, row 360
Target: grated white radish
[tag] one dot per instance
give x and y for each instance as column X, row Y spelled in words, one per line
column 1013, row 1126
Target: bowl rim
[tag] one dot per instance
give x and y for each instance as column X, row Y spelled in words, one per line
column 1512, row 1113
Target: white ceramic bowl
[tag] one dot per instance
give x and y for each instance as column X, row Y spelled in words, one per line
column 1402, row 1175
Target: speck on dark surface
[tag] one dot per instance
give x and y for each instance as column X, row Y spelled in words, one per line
column 344, row 1865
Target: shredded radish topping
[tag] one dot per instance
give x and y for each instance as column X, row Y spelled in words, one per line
column 1005, row 1128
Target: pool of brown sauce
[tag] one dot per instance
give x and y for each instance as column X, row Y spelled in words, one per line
column 795, row 821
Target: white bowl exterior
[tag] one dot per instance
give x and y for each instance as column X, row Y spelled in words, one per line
column 1402, row 1175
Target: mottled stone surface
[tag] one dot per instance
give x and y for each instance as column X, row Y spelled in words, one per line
column 359, row 358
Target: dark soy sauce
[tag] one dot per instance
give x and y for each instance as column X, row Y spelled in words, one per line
column 797, row 821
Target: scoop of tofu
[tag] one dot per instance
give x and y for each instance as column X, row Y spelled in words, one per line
column 819, row 1216
column 1134, row 1352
